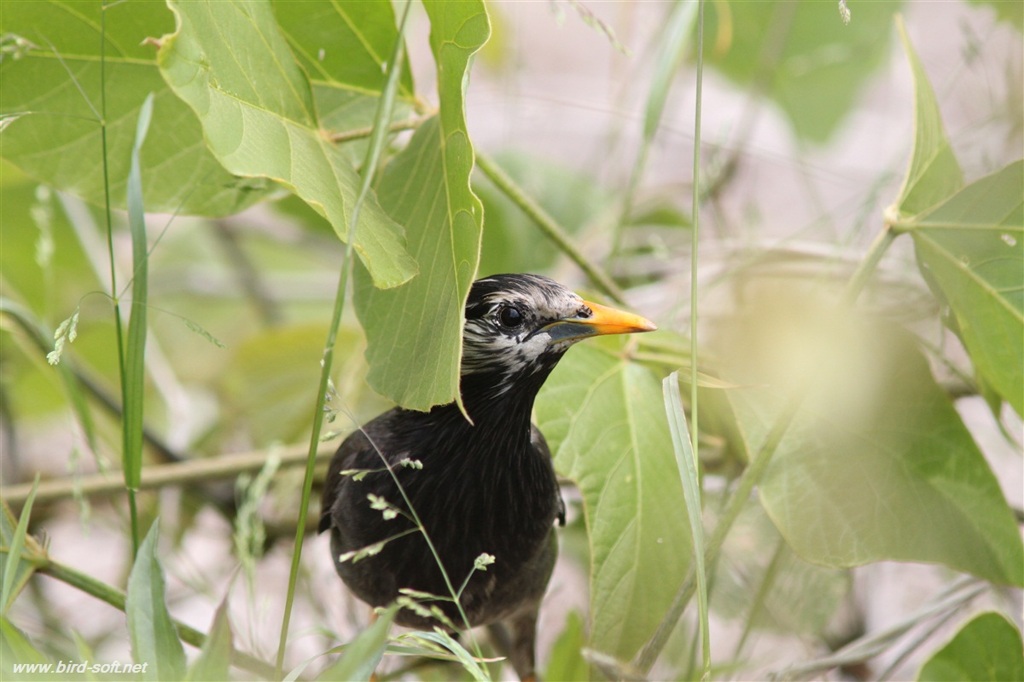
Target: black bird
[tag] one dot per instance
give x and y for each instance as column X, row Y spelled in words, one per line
column 483, row 485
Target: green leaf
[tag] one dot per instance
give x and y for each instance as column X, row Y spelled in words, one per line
column 987, row 649
column 971, row 251
column 214, row 659
column 566, row 662
column 414, row 333
column 362, row 655
column 343, row 45
column 134, row 380
column 934, row 173
column 229, row 61
column 16, row 647
column 344, row 49
column 686, row 462
column 883, row 469
column 605, row 422
column 15, row 572
column 56, row 84
column 153, row 636
column 1010, row 12
column 801, row 54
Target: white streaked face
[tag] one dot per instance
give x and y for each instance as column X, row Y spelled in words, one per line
column 507, row 322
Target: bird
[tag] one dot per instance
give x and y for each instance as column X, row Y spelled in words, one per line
column 469, row 488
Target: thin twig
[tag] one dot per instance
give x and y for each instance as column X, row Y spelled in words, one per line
column 365, row 132
column 549, row 226
column 157, row 476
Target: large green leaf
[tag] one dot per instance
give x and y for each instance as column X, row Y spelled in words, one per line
column 801, row 54
column 414, row 332
column 56, row 85
column 343, row 45
column 229, row 61
column 988, row 649
column 344, row 48
column 971, row 248
column 933, row 173
column 153, row 635
column 878, row 465
column 605, row 422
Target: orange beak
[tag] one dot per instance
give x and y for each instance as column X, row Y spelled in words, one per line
column 603, row 320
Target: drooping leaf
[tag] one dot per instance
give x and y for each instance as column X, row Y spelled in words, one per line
column 987, row 649
column 811, row 64
column 153, row 635
column 933, row 173
column 229, row 61
column 55, row 84
column 414, row 332
column 605, row 422
column 878, row 465
column 971, row 250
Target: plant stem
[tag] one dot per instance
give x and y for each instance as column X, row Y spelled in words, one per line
column 118, row 327
column 158, row 475
column 549, row 226
column 379, row 134
column 755, row 470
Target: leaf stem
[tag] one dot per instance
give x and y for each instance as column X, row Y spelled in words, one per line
column 549, row 226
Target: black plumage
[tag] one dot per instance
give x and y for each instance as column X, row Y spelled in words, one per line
column 485, row 486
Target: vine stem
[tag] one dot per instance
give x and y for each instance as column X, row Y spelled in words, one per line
column 549, row 226
column 646, row 657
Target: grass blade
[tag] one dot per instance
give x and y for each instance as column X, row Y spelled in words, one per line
column 381, row 125
column 363, row 654
column 133, row 377
column 153, row 636
column 12, row 565
column 688, row 472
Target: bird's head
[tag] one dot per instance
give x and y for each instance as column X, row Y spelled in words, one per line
column 518, row 326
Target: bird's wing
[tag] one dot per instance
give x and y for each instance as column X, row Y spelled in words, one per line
column 539, row 443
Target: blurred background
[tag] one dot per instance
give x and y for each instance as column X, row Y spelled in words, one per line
column 807, row 128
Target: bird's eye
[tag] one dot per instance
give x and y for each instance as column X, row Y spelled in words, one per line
column 510, row 317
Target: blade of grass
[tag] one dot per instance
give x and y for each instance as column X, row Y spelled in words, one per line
column 13, row 563
column 362, row 655
column 381, row 127
column 689, row 472
column 134, row 367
